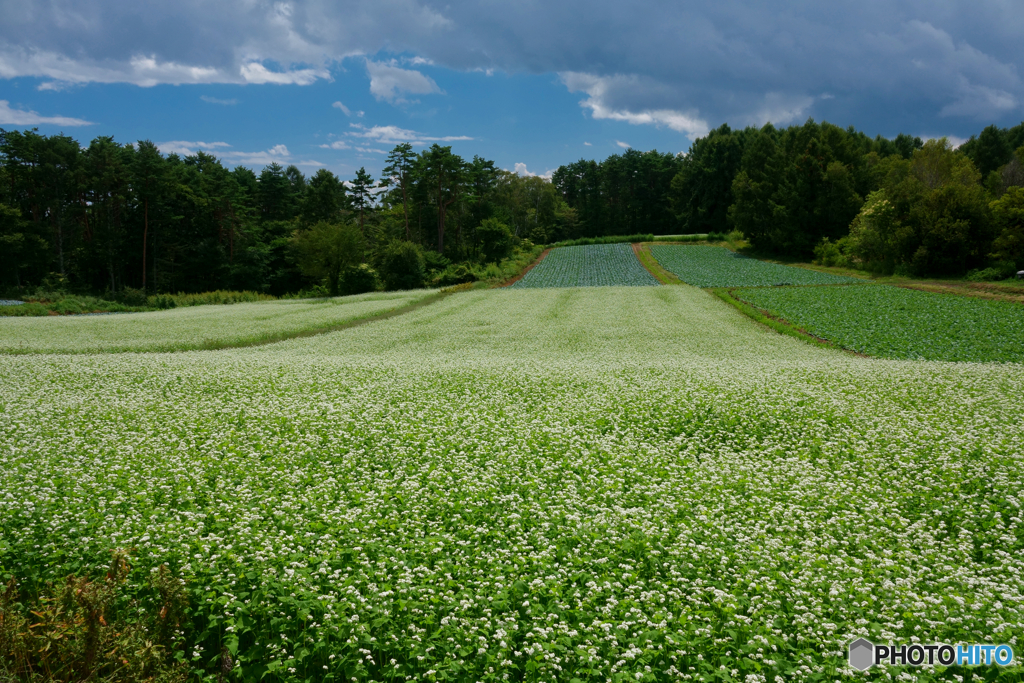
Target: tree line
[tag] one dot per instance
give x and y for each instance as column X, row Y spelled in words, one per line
column 889, row 205
column 114, row 216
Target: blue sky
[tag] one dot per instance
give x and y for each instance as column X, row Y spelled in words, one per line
column 531, row 85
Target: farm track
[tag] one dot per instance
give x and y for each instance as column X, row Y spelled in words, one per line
column 530, row 267
column 647, row 260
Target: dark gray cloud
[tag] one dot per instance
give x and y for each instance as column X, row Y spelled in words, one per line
column 910, row 65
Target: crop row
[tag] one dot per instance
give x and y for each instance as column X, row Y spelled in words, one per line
column 895, row 322
column 594, row 265
column 708, row 266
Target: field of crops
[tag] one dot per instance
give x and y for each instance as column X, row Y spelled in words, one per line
column 894, row 322
column 195, row 327
column 627, row 484
column 707, row 266
column 594, row 265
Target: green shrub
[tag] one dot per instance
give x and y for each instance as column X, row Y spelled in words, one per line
column 91, row 630
column 358, row 280
column 457, row 274
column 435, row 262
column 131, row 297
column 402, row 266
column 1000, row 271
column 496, row 240
column 609, row 239
column 829, row 253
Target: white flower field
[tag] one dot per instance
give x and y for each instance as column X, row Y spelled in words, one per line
column 586, row 484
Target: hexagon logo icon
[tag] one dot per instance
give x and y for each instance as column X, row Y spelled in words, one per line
column 862, row 654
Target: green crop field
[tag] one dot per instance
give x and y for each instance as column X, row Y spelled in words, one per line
column 196, row 327
column 707, row 266
column 594, row 265
column 592, row 484
column 895, row 322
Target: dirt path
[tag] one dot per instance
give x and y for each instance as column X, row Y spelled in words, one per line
column 647, row 260
column 530, row 267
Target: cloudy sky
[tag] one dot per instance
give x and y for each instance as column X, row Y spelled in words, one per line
column 527, row 83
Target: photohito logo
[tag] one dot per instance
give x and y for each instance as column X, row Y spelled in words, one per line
column 864, row 654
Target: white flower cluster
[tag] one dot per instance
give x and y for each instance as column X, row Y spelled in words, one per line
column 541, row 485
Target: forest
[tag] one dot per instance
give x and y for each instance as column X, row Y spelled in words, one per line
column 114, row 217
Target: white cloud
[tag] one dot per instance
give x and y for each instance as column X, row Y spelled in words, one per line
column 214, row 100
column 185, row 148
column 345, row 110
column 780, row 109
column 588, row 144
column 520, row 169
column 337, row 144
column 277, row 153
column 139, row 69
column 254, row 72
column 371, row 150
column 623, row 145
column 22, row 117
column 393, row 135
column 388, row 82
column 600, row 91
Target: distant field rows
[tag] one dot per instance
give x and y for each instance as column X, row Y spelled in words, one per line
column 195, row 327
column 596, row 265
column 708, row 266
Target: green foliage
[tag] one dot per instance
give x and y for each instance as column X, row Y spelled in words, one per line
column 701, row 193
column 798, row 186
column 496, row 240
column 456, row 274
column 608, row 239
column 598, row 265
column 402, row 266
column 1008, row 219
column 626, row 192
column 708, row 266
column 895, row 322
column 358, row 280
column 94, row 629
column 219, row 297
column 326, row 250
column 833, row 253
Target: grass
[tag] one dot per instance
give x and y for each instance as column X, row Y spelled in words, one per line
column 598, row 265
column 624, row 483
column 710, row 266
column 895, row 322
column 643, row 252
column 198, row 327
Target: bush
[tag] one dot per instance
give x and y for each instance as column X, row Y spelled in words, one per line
column 358, row 280
column 457, row 274
column 435, row 262
column 496, row 240
column 402, row 266
column 84, row 629
column 610, row 239
column 831, row 253
column 1000, row 271
column 130, row 296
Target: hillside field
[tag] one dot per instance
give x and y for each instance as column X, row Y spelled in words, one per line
column 528, row 484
